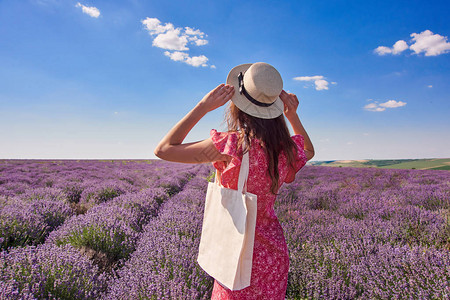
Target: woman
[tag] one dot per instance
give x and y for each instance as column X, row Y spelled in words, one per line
column 255, row 114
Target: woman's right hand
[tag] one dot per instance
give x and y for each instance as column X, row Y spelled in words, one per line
column 172, row 148
column 217, row 97
column 290, row 104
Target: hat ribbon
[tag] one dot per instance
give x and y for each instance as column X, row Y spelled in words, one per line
column 242, row 90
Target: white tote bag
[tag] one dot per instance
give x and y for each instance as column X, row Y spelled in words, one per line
column 228, row 232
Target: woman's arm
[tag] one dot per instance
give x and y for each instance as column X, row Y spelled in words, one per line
column 171, row 148
column 290, row 111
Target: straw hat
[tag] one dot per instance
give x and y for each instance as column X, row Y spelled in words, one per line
column 257, row 90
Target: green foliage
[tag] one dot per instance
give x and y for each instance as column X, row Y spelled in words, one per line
column 73, row 193
column 14, row 233
column 99, row 239
column 107, row 194
column 211, row 176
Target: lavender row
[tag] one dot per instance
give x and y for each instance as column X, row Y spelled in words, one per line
column 362, row 269
column 72, row 264
column 110, row 230
column 164, row 264
column 113, row 227
column 98, row 241
column 49, row 272
column 74, row 177
column 345, row 241
column 367, row 234
column 28, row 215
column 28, row 219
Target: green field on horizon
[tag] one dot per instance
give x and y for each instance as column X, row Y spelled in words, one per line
column 420, row 164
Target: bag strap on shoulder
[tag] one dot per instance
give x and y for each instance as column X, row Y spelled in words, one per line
column 243, row 172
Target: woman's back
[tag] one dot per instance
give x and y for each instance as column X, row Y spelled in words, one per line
column 270, row 246
column 259, row 181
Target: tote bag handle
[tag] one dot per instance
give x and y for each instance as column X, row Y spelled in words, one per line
column 243, row 171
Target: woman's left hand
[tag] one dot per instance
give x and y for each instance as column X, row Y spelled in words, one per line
column 217, row 97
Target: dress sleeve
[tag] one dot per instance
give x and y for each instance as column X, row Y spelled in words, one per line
column 300, row 158
column 226, row 143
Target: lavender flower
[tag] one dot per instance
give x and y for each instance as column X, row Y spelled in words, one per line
column 49, row 272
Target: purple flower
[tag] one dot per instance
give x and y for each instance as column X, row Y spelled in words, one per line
column 48, row 271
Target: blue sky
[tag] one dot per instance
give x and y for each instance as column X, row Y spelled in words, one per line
column 108, row 79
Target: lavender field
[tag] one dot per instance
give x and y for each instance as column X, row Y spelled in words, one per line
column 131, row 229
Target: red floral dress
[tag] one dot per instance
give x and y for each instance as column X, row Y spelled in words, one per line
column 270, row 253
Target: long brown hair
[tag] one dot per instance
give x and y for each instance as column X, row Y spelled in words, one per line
column 272, row 133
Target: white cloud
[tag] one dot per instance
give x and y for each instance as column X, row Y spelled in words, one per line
column 319, row 81
column 176, row 55
column 192, row 31
column 321, row 84
column 201, row 42
column 430, row 86
column 375, row 106
column 431, row 44
column 392, row 104
column 197, row 61
column 171, row 40
column 153, row 25
column 89, row 10
column 383, row 50
column 169, row 37
column 398, row 48
column 194, row 61
column 426, row 41
column 197, row 41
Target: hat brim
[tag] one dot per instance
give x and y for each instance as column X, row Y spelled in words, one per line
column 270, row 112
